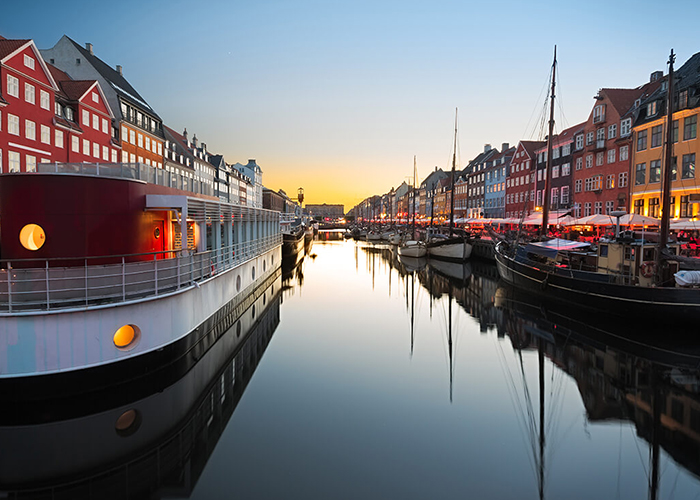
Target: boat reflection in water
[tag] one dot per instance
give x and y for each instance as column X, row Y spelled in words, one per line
column 624, row 373
column 152, row 439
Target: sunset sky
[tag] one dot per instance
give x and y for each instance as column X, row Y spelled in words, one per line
column 338, row 96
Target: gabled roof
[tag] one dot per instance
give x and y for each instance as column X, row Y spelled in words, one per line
column 531, row 146
column 118, row 82
column 8, row 47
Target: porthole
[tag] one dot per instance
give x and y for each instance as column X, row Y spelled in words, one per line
column 253, row 311
column 264, row 299
column 253, row 272
column 128, row 423
column 156, row 233
column 32, row 237
column 238, row 283
column 127, row 337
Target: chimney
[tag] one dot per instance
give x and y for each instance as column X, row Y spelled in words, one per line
column 204, row 147
column 88, row 47
column 504, row 147
column 487, row 148
column 119, row 70
column 184, row 133
column 194, row 140
column 656, row 75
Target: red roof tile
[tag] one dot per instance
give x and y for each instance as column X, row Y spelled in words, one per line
column 75, row 89
column 7, row 47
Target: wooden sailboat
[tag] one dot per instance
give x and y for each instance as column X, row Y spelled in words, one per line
column 450, row 246
column 627, row 276
column 413, row 247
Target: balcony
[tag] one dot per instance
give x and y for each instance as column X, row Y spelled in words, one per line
column 599, row 118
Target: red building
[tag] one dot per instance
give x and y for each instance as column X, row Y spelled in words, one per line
column 39, row 111
column 520, row 179
column 603, row 150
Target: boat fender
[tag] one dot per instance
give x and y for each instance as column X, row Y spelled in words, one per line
column 213, row 270
column 648, row 269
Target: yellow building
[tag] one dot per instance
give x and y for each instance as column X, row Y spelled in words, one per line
column 648, row 147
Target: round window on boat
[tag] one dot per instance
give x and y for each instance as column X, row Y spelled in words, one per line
column 128, row 423
column 32, row 237
column 238, row 283
column 264, row 299
column 156, row 233
column 264, row 265
column 253, row 311
column 127, row 337
column 238, row 329
column 253, row 272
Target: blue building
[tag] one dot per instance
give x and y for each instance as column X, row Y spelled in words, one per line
column 495, row 183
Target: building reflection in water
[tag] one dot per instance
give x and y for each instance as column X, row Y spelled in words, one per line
column 151, row 446
column 623, row 372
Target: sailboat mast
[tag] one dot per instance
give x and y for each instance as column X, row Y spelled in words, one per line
column 540, row 358
column 548, row 169
column 413, row 197
column 452, row 182
column 666, row 195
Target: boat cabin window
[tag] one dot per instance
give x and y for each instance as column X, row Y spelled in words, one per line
column 603, row 250
column 649, row 254
column 629, row 253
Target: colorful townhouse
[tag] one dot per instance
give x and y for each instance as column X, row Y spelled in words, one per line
column 495, row 183
column 476, row 177
column 520, row 179
column 649, row 132
column 137, row 126
column 603, row 150
column 560, row 176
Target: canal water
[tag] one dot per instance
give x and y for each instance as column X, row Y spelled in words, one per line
column 358, row 375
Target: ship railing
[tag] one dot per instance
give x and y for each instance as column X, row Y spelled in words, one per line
column 59, row 283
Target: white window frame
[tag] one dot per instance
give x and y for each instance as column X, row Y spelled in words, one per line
column 13, row 86
column 86, row 147
column 45, row 134
column 44, row 100
column 29, row 93
column 86, row 117
column 75, row 143
column 29, row 61
column 29, row 163
column 30, row 130
column 58, row 138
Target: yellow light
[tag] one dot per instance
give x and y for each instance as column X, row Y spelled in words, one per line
column 32, row 237
column 126, row 337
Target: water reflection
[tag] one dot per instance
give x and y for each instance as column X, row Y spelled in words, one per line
column 623, row 372
column 154, row 438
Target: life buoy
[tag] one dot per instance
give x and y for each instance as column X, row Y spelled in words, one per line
column 648, row 269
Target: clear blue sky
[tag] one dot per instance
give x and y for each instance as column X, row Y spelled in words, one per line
column 337, row 96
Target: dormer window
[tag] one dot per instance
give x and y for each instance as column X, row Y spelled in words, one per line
column 651, row 108
column 58, row 109
column 69, row 113
column 683, row 99
column 28, row 61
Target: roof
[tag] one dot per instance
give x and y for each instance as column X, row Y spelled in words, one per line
column 531, row 146
column 118, row 82
column 7, row 47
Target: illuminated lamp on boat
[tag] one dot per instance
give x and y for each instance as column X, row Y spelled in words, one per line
column 32, row 237
column 128, row 423
column 127, row 337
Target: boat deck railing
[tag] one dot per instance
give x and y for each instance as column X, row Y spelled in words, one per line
column 50, row 284
column 134, row 171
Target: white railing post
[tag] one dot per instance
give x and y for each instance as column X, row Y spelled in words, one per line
column 155, row 267
column 178, row 270
column 48, row 302
column 9, row 285
column 123, row 279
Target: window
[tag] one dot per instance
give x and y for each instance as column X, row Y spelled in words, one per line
column 539, row 198
column 577, row 186
column 656, row 133
column 589, row 138
column 555, row 197
column 105, row 126
column 610, row 181
column 641, row 140
column 625, row 127
column 29, row 93
column 640, row 174
column 599, row 158
column 125, row 134
column 639, row 206
column 95, row 98
column 597, row 183
column 566, row 150
column 653, row 207
column 598, row 207
column 565, row 195
column 622, row 178
column 44, row 100
column 140, row 141
column 611, row 155
column 12, row 86
column 86, row 117
column 651, row 108
column 655, row 171
column 13, row 161
column 555, row 153
column 45, row 134
column 600, row 134
column 105, row 153
column 114, row 156
column 132, row 158
column 565, row 169
column 125, row 157
column 587, row 209
column 96, row 122
column 674, row 131
column 690, row 127
column 148, row 143
column 612, row 131
column 69, row 113
column 579, row 163
column 30, row 130
column 28, row 61
column 31, row 163
column 132, row 137
column 624, row 153
column 579, row 141
column 160, row 153
column 688, row 169
column 674, row 167
column 683, row 99
column 609, row 207
column 75, row 143
column 555, row 171
column 86, row 147
column 589, row 161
